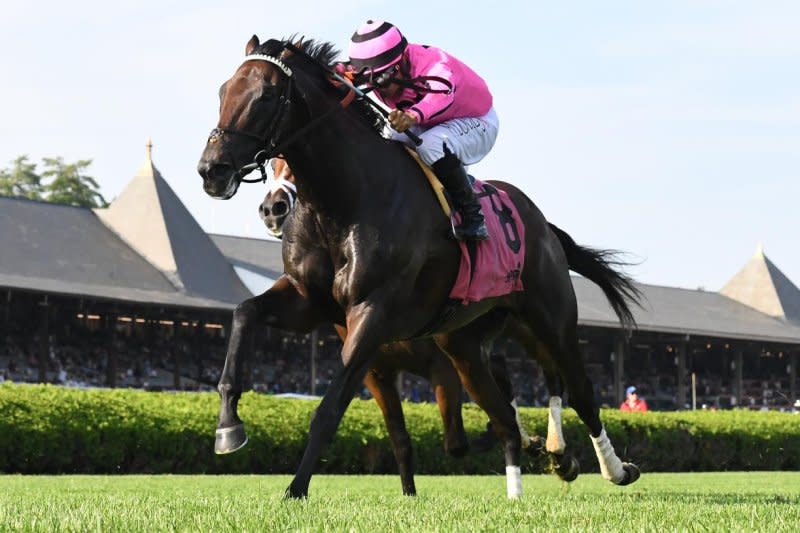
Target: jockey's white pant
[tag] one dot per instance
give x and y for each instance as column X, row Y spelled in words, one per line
column 470, row 139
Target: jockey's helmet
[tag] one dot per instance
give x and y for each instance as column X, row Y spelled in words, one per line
column 376, row 46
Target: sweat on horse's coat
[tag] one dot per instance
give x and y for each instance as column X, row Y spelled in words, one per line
column 499, row 260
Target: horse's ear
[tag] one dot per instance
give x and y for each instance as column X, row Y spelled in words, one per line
column 286, row 54
column 252, row 44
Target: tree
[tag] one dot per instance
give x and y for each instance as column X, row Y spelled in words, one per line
column 21, row 180
column 60, row 183
column 70, row 185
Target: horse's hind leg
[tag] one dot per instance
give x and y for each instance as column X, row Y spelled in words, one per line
column 564, row 464
column 581, row 395
column 381, row 385
column 447, row 388
column 464, row 348
column 280, row 306
column 562, row 345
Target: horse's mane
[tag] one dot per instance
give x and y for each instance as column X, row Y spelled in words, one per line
column 325, row 53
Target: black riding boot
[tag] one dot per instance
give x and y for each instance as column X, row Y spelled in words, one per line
column 454, row 177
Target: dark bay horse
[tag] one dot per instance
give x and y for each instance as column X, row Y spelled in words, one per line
column 367, row 248
column 421, row 357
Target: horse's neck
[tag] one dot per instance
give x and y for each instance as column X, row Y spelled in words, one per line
column 335, row 182
column 347, row 176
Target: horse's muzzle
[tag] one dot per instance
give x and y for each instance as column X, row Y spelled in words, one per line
column 219, row 179
column 274, row 214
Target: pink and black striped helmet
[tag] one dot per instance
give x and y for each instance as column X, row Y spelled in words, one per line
column 376, row 46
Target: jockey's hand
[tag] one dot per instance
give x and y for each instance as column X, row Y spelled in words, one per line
column 402, row 120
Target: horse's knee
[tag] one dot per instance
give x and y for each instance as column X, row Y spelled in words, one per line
column 225, row 388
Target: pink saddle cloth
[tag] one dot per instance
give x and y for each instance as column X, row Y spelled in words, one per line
column 498, row 260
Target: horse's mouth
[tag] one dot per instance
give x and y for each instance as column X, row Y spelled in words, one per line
column 221, row 190
column 274, row 225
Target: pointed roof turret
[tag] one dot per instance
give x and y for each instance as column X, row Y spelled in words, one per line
column 761, row 285
column 150, row 217
column 147, row 169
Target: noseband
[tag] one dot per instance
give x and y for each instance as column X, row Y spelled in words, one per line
column 270, row 140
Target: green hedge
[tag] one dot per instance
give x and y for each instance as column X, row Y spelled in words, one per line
column 47, row 429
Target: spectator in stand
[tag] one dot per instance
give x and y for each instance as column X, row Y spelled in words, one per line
column 633, row 402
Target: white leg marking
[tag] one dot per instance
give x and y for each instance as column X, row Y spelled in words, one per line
column 525, row 439
column 555, row 438
column 610, row 465
column 514, row 482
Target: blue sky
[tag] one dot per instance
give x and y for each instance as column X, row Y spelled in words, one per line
column 669, row 131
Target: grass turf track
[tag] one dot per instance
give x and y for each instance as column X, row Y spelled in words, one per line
column 756, row 501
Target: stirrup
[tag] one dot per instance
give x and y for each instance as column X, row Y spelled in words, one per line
column 467, row 231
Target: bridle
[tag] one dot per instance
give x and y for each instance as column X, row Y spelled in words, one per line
column 276, row 124
column 270, row 140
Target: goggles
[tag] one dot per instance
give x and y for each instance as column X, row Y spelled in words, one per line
column 385, row 78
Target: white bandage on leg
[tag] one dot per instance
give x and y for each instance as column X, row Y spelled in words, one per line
column 525, row 439
column 555, row 437
column 610, row 465
column 514, row 482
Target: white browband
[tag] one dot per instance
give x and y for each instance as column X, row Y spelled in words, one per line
column 269, row 59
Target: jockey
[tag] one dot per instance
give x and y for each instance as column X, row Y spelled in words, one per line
column 439, row 98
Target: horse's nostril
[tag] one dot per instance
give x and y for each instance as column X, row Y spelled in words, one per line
column 280, row 208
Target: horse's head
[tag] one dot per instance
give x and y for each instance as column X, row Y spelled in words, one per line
column 254, row 106
column 280, row 198
column 281, row 93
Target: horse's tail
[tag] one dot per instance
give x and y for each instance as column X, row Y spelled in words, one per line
column 600, row 266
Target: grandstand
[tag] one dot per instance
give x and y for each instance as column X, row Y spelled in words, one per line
column 138, row 295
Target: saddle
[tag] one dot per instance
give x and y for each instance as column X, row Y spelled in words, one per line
column 436, row 185
column 492, row 267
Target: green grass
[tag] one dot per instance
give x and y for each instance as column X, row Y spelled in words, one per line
column 657, row 502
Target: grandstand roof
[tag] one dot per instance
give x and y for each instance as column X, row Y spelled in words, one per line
column 147, row 248
column 761, row 285
column 686, row 312
column 152, row 220
column 257, row 262
column 67, row 250
column 258, row 255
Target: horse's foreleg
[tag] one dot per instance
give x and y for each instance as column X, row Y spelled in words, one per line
column 383, row 390
column 464, row 349
column 363, row 340
column 281, row 306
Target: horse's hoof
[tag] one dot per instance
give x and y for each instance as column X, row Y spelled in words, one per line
column 293, row 493
column 631, row 474
column 230, row 439
column 566, row 467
